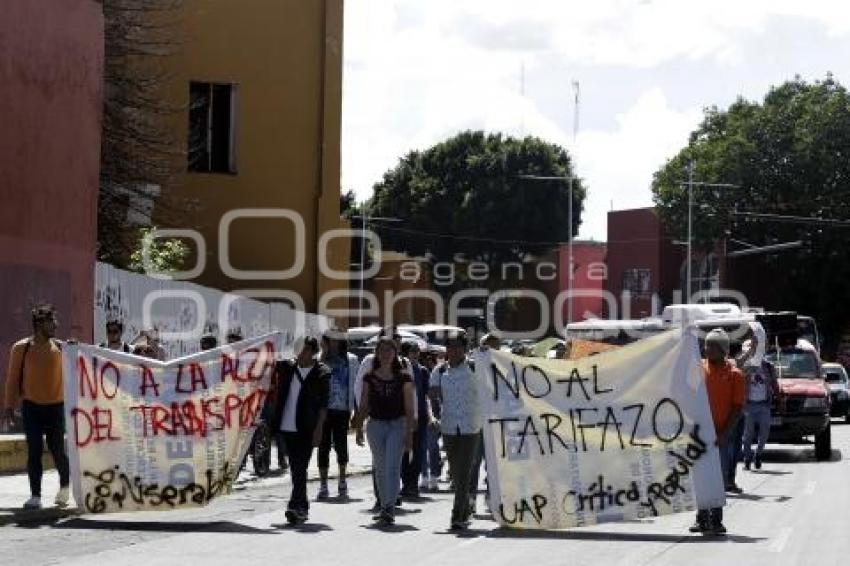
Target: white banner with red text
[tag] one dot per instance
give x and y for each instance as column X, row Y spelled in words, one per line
column 618, row 436
column 146, row 435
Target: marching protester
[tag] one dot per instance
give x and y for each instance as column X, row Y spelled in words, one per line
column 300, row 409
column 387, row 401
column 341, row 404
column 234, row 335
column 34, row 378
column 366, row 367
column 208, row 342
column 115, row 337
column 726, row 387
column 412, row 466
column 460, row 423
column 762, row 389
column 432, row 464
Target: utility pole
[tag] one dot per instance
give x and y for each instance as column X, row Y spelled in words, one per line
column 363, row 219
column 570, row 205
column 690, row 227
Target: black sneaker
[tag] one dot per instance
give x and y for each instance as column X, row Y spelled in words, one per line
column 758, row 463
column 747, row 464
column 386, row 518
column 718, row 529
column 458, row 526
column 698, row 527
column 323, row 492
column 291, row 517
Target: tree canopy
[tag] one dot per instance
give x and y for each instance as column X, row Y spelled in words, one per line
column 467, row 195
column 789, row 156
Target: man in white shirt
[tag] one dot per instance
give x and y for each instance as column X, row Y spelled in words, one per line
column 301, row 404
column 455, row 384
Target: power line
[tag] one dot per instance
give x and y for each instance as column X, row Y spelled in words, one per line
column 468, row 238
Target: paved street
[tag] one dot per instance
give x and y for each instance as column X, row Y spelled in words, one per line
column 793, row 509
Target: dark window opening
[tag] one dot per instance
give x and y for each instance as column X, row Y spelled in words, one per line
column 212, row 119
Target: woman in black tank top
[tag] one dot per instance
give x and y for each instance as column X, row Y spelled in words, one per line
column 387, row 400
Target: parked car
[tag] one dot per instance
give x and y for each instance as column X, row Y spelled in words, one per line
column 839, row 390
column 804, row 406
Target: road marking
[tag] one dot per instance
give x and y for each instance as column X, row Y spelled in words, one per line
column 810, row 488
column 781, row 540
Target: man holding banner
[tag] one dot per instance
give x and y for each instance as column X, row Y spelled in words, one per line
column 301, row 406
column 727, row 396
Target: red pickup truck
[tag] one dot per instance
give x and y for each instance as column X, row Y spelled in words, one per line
column 804, row 405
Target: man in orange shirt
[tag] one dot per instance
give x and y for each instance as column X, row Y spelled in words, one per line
column 35, row 379
column 727, row 395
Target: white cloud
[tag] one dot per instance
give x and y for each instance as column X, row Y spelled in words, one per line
column 618, row 165
column 418, row 72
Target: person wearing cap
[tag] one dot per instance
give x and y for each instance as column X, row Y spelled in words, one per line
column 341, row 404
column 34, row 378
column 726, row 388
column 300, row 408
column 461, row 421
column 762, row 388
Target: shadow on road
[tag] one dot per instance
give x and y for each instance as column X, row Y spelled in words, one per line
column 303, row 528
column 797, row 456
column 340, row 500
column 754, row 497
column 502, row 533
column 394, row 529
column 33, row 519
column 161, row 526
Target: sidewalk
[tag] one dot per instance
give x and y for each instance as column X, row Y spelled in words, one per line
column 14, row 489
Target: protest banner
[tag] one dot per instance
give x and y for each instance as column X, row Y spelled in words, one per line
column 618, row 436
column 148, row 435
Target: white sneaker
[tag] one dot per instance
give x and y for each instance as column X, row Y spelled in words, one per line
column 62, row 497
column 33, row 503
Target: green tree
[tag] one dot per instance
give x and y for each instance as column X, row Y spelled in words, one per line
column 789, row 154
column 164, row 255
column 467, row 196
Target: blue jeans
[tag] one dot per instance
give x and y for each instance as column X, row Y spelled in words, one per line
column 756, row 415
column 734, row 441
column 432, row 465
column 386, row 440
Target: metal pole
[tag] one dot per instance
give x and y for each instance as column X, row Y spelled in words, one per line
column 690, row 226
column 570, row 209
column 363, row 218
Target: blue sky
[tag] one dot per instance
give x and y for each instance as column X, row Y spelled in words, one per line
column 418, row 71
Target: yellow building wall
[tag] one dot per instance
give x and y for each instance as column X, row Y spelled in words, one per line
column 286, row 58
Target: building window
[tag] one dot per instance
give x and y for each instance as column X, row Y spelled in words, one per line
column 637, row 281
column 212, row 128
